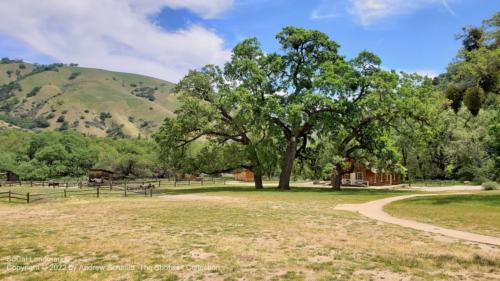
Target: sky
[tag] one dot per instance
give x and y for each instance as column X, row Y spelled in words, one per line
column 166, row 38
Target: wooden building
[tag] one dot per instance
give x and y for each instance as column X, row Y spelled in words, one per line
column 244, row 175
column 100, row 175
column 185, row 177
column 361, row 175
column 11, row 176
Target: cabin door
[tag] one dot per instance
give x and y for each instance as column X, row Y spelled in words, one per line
column 353, row 178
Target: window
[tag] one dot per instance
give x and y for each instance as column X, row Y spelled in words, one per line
column 359, row 176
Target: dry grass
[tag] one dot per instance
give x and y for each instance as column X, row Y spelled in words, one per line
column 238, row 234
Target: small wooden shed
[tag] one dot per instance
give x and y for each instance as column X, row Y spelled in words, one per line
column 100, row 175
column 185, row 177
column 11, row 176
column 244, row 175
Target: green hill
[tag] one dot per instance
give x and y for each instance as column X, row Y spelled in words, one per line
column 92, row 101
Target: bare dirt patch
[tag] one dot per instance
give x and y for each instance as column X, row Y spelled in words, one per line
column 205, row 198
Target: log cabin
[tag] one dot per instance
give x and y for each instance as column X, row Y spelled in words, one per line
column 185, row 177
column 361, row 175
column 244, row 175
column 100, row 175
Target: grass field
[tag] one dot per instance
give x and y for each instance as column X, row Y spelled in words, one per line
column 479, row 213
column 226, row 233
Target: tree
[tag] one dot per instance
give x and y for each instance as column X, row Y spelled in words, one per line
column 369, row 103
column 475, row 74
column 295, row 103
column 220, row 107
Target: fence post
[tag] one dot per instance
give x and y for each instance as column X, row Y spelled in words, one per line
column 98, row 191
column 65, row 193
column 31, row 183
column 125, row 189
column 145, row 192
column 175, row 182
column 151, row 192
column 9, row 196
column 111, row 185
column 189, row 181
column 159, row 183
column 27, row 197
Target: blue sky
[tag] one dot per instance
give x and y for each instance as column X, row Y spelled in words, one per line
column 165, row 38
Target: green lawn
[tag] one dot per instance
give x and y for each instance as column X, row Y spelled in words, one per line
column 438, row 183
column 479, row 213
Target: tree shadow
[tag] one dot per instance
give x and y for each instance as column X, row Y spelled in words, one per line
column 271, row 190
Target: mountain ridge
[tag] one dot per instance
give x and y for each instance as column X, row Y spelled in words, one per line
column 89, row 100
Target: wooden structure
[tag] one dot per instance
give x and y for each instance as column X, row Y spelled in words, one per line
column 361, row 175
column 244, row 175
column 100, row 175
column 185, row 177
column 11, row 176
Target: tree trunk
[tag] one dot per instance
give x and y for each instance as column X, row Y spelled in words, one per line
column 258, row 180
column 336, row 180
column 287, row 166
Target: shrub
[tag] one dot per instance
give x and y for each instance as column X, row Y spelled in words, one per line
column 473, row 99
column 33, row 92
column 25, row 122
column 7, row 90
column 50, row 116
column 64, row 126
column 491, row 185
column 73, row 75
column 104, row 115
column 145, row 92
column 41, row 122
column 60, row 119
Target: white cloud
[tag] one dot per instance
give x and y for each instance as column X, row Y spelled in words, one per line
column 116, row 34
column 368, row 12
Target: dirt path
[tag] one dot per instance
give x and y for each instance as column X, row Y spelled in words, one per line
column 374, row 210
column 201, row 197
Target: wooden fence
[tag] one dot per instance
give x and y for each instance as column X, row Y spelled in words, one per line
column 64, row 189
column 97, row 192
column 200, row 181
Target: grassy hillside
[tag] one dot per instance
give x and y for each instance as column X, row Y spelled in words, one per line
column 93, row 101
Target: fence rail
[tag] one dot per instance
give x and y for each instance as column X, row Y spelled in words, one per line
column 125, row 188
column 65, row 193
